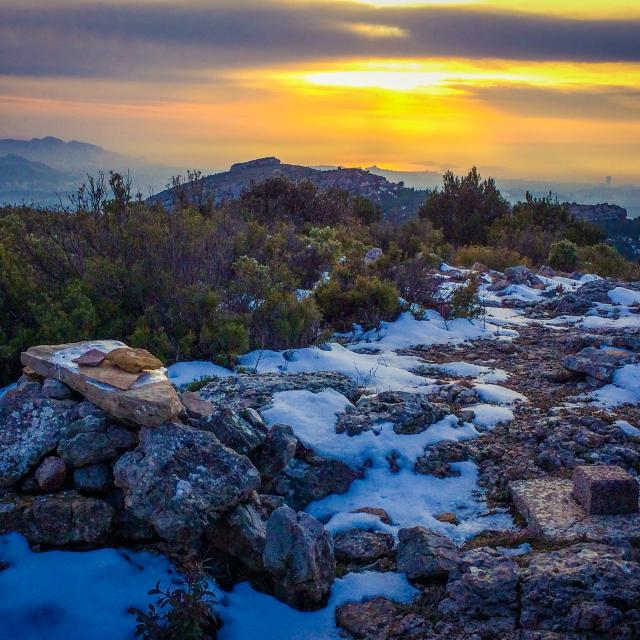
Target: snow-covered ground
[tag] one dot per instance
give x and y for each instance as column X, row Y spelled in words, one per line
column 69, row 595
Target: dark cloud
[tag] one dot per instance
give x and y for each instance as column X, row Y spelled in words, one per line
column 145, row 39
column 598, row 103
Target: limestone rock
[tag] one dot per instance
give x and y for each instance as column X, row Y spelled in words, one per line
column 370, row 620
column 31, row 428
column 151, row 400
column 93, row 439
column 51, row 473
column 599, row 364
column 95, row 479
column 196, row 407
column 52, row 388
column 605, row 490
column 67, row 518
column 277, row 451
column 425, row 555
column 234, row 431
column 181, row 479
column 584, row 588
column 482, row 593
column 240, row 533
column 299, row 554
column 355, row 546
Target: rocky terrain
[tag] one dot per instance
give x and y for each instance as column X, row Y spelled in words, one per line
column 411, row 482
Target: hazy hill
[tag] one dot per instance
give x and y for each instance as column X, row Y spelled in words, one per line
column 45, row 170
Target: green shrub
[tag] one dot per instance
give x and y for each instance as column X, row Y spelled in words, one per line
column 498, row 258
column 464, row 301
column 563, row 255
column 365, row 300
column 603, row 260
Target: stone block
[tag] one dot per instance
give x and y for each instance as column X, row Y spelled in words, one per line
column 605, row 490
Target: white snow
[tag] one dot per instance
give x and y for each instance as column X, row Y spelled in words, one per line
column 621, row 295
column 627, row 428
column 63, row 595
column 468, row 370
column 379, row 372
column 183, row 373
column 407, row 332
column 250, row 614
column 499, row 395
column 488, row 415
column 625, row 388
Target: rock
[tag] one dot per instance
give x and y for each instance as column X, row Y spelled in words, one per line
column 585, row 588
column 482, row 593
column 605, row 489
column 304, row 480
column 52, row 388
column 372, row 255
column 518, row 275
column 127, row 527
column 241, row 534
column 425, row 555
column 133, row 360
column 410, row 413
column 355, row 546
column 31, row 429
column 67, row 518
column 51, row 474
column 93, row 439
column 546, row 271
column 149, row 401
column 277, row 451
column 234, row 431
column 181, row 479
column 369, row 620
column 299, row 554
column 375, row 511
column 196, row 407
column 599, row 364
column 447, row 517
column 96, row 479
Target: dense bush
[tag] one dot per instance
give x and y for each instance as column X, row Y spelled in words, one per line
column 563, row 255
column 349, row 298
column 465, row 208
column 606, row 261
column 498, row 258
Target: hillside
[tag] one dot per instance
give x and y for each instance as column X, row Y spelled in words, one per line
column 397, row 201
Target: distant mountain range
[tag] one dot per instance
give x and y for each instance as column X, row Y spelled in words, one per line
column 44, row 171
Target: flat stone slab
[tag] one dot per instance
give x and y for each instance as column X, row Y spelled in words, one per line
column 553, row 514
column 146, row 399
column 605, row 490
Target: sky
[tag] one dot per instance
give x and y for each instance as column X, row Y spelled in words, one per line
column 537, row 89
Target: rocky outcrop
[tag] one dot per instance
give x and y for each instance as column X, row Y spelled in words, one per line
column 586, row 588
column 31, row 428
column 234, row 431
column 598, row 365
column 299, row 555
column 355, row 547
column 145, row 399
column 425, row 555
column 180, row 479
column 410, row 413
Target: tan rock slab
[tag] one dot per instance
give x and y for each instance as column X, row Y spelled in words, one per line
column 148, row 400
column 553, row 514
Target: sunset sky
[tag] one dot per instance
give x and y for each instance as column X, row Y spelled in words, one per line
column 544, row 89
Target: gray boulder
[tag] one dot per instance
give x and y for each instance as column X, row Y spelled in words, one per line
column 241, row 534
column 52, row 388
column 234, row 431
column 94, row 439
column 278, row 450
column 358, row 547
column 181, row 479
column 425, row 555
column 67, row 518
column 599, row 364
column 31, row 428
column 519, row 274
column 95, row 479
column 585, row 588
column 299, row 555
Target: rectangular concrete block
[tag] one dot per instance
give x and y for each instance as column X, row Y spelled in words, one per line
column 605, row 490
